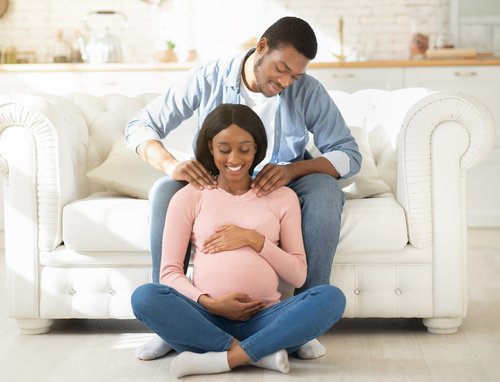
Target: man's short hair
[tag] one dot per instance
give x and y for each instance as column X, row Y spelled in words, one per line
column 292, row 31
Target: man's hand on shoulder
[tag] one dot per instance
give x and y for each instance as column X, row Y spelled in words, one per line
column 271, row 177
column 193, row 172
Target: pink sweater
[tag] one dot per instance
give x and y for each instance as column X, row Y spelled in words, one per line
column 194, row 215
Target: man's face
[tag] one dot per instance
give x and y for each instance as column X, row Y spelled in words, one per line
column 277, row 69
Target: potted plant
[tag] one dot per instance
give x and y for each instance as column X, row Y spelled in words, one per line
column 168, row 55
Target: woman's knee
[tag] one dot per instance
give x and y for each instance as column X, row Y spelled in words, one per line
column 333, row 299
column 144, row 297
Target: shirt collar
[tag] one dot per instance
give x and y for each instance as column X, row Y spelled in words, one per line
column 234, row 78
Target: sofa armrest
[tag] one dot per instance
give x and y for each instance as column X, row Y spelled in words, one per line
column 442, row 135
column 40, row 180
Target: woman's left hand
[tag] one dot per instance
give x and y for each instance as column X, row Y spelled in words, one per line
column 230, row 237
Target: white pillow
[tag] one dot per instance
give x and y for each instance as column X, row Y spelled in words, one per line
column 125, row 172
column 367, row 182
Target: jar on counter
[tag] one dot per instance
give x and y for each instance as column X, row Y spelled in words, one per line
column 61, row 52
column 419, row 39
column 9, row 55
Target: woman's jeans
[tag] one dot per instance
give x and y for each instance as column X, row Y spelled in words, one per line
column 321, row 199
column 187, row 326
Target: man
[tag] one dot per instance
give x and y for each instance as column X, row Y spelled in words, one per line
column 271, row 79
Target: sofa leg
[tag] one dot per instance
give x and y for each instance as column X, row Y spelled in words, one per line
column 442, row 325
column 34, row 325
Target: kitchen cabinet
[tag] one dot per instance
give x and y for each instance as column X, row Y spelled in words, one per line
column 482, row 83
column 483, row 181
column 95, row 82
column 354, row 79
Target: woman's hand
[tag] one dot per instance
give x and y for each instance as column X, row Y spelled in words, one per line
column 233, row 306
column 193, row 172
column 230, row 237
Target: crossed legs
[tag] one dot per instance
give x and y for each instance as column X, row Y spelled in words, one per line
column 263, row 341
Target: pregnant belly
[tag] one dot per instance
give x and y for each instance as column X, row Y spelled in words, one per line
column 235, row 271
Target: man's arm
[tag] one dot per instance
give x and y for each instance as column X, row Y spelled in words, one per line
column 153, row 152
column 273, row 176
column 331, row 136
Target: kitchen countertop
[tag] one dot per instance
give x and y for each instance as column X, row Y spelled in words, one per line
column 186, row 66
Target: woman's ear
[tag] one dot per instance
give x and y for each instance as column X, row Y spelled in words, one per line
column 211, row 147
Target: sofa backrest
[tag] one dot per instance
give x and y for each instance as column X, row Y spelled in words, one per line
column 99, row 122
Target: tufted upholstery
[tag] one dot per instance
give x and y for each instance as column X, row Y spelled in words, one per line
column 74, row 249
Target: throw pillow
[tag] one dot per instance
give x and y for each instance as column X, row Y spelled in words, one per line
column 367, row 182
column 125, row 172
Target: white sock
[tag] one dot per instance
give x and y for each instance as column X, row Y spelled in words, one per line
column 155, row 348
column 277, row 361
column 188, row 363
column 312, row 349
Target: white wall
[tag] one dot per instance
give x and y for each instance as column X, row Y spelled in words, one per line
column 374, row 29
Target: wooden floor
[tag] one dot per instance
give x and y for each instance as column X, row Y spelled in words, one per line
column 357, row 350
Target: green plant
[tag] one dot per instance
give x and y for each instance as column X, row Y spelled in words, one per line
column 170, row 44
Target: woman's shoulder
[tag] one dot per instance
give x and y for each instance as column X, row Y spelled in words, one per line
column 283, row 194
column 188, row 192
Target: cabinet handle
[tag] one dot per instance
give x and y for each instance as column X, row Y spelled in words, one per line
column 343, row 75
column 465, row 74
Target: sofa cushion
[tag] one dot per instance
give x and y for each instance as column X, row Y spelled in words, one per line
column 106, row 222
column 373, row 225
column 110, row 222
column 125, row 172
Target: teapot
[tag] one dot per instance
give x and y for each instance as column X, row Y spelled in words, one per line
column 103, row 47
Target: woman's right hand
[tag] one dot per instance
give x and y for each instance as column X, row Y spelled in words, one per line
column 193, row 172
column 234, row 306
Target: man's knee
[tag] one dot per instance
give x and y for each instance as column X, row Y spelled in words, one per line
column 322, row 193
column 164, row 188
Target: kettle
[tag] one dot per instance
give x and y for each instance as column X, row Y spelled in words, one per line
column 103, row 47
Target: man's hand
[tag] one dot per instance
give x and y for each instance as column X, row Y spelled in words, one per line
column 271, row 177
column 193, row 172
column 230, row 237
column 234, row 306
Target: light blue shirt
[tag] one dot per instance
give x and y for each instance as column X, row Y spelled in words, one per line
column 303, row 107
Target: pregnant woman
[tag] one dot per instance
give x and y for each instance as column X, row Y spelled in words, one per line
column 230, row 314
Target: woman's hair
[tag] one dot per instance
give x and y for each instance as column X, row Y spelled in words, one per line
column 295, row 32
column 221, row 118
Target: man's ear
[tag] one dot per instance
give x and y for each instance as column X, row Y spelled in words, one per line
column 262, row 46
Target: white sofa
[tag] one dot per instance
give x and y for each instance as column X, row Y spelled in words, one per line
column 77, row 249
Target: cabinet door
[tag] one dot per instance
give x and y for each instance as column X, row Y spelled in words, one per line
column 354, row 79
column 97, row 83
column 483, row 182
column 129, row 83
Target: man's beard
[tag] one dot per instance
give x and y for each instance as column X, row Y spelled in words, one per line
column 256, row 67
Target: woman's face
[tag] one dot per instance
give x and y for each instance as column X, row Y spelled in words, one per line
column 233, row 150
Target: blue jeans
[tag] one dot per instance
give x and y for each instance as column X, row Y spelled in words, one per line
column 188, row 326
column 321, row 199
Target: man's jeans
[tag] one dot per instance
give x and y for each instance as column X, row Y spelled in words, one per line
column 188, row 326
column 321, row 199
